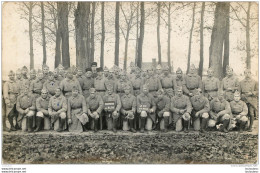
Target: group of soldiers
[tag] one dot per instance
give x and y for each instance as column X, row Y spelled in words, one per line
column 78, row 100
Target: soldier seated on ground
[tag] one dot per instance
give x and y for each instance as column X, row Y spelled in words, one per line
column 200, row 111
column 94, row 107
column 239, row 111
column 146, row 108
column 163, row 110
column 128, row 109
column 181, row 108
column 42, row 111
column 57, row 110
column 220, row 113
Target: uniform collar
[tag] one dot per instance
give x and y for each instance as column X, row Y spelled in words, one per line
column 127, row 96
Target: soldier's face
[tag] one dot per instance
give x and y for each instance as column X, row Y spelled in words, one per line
column 55, row 73
column 44, row 95
column 61, row 71
column 179, row 74
column 230, row 72
column 106, row 73
column 92, row 94
column 236, row 98
column 247, row 74
column 110, row 74
column 160, row 96
column 40, row 76
column 123, row 76
column 221, row 96
column 197, row 95
column 24, row 71
column 79, row 72
column 110, row 91
column 57, row 92
column 94, row 69
column 150, row 72
column 69, row 75
column 45, row 70
column 88, row 74
column 210, row 73
column 145, row 90
column 100, row 73
column 75, row 92
column 166, row 72
column 179, row 93
column 51, row 77
column 127, row 90
column 192, row 70
column 18, row 75
column 11, row 76
column 32, row 75
column 159, row 71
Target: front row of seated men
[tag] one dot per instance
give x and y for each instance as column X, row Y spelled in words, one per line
column 128, row 112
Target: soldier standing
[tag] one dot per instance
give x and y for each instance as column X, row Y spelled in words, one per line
column 193, row 81
column 154, row 84
column 249, row 94
column 220, row 112
column 61, row 72
column 163, row 110
column 229, row 84
column 24, row 79
column 121, row 83
column 10, row 93
column 32, row 75
column 111, row 81
column 94, row 69
column 57, row 110
column 128, row 109
column 239, row 111
column 94, row 107
column 26, row 107
column 137, row 82
column 146, row 108
column 181, row 108
column 37, row 85
column 200, row 111
column 179, row 81
column 51, row 84
column 77, row 111
column 106, row 71
column 112, row 106
column 45, row 70
column 81, row 78
column 167, row 82
column 42, row 114
column 210, row 85
column 99, row 83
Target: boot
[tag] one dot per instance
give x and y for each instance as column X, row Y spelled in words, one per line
column 142, row 125
column 10, row 119
column 251, row 118
column 225, row 126
column 242, row 126
column 114, row 125
column 62, row 122
column 166, row 123
column 4, row 124
column 131, row 122
column 38, row 124
column 203, row 125
column 186, row 125
column 30, row 124
column 95, row 125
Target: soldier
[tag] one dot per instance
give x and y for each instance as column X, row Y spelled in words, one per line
column 106, row 71
column 121, row 83
column 163, row 110
column 45, row 70
column 81, row 78
column 112, row 106
column 94, row 107
column 200, row 111
column 153, row 83
column 67, row 84
column 94, row 69
column 229, row 84
column 158, row 72
column 99, row 83
column 146, row 108
column 37, row 85
column 25, row 105
column 51, row 84
column 77, row 111
column 42, row 114
column 137, row 82
column 179, row 81
column 32, row 75
column 24, row 79
column 128, row 109
column 111, row 81
column 210, row 85
column 220, row 112
column 249, row 94
column 61, row 72
column 239, row 111
column 57, row 110
column 167, row 82
column 88, row 82
column 181, row 108
column 193, row 81
column 10, row 93
column 133, row 68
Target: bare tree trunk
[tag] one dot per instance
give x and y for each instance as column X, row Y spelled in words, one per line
column 226, row 44
column 169, row 37
column 137, row 33
column 58, row 38
column 93, row 32
column 248, row 51
column 158, row 32
column 217, row 38
column 126, row 46
column 201, row 39
column 190, row 40
column 31, row 36
column 87, row 42
column 102, row 34
column 141, row 38
column 117, row 34
column 43, row 35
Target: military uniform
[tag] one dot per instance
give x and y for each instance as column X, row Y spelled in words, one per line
column 36, row 86
column 99, row 85
column 167, row 82
column 210, row 87
column 239, row 111
column 67, row 84
column 51, row 86
column 58, row 105
column 121, row 84
column 193, row 81
column 77, row 112
column 81, row 80
column 163, row 112
column 154, row 84
column 229, row 85
column 42, row 112
column 87, row 84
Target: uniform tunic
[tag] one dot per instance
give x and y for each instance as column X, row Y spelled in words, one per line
column 238, row 108
column 193, row 81
column 221, row 107
column 51, row 86
column 148, row 100
column 180, row 82
column 77, row 112
column 120, row 87
column 81, row 80
column 36, row 87
column 137, row 84
column 10, row 93
column 66, row 86
column 111, row 82
column 87, row 84
column 42, row 106
column 177, row 103
column 210, row 87
column 128, row 103
column 99, row 85
column 200, row 105
column 168, row 85
column 113, row 98
column 229, row 85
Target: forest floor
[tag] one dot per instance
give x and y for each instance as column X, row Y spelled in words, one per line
column 128, row 148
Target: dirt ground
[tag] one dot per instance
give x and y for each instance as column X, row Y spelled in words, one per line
column 125, row 147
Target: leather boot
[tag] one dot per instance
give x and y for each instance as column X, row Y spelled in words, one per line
column 203, row 125
column 142, row 125
column 38, row 124
column 62, row 122
column 10, row 119
column 251, row 119
column 166, row 123
column 242, row 126
column 95, row 125
column 225, row 126
column 30, row 124
column 114, row 125
column 131, row 122
column 186, row 125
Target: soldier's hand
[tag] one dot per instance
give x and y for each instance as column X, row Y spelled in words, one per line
column 26, row 111
column 151, row 110
column 197, row 114
column 190, row 94
column 182, row 111
column 69, row 121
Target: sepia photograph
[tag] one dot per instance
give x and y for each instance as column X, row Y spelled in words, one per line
column 159, row 82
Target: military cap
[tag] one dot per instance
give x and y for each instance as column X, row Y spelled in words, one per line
column 220, row 92
column 236, row 93
column 11, row 72
column 94, row 64
column 109, row 86
column 197, row 91
column 127, row 87
column 69, row 70
column 122, row 73
column 105, row 69
column 99, row 69
column 60, row 66
column 146, row 86
column 25, row 68
column 92, row 90
column 88, row 69
column 44, row 90
column 18, row 71
column 192, row 66
column 229, row 68
column 179, row 70
column 33, row 71
column 166, row 68
column 51, row 73
column 210, row 68
column 178, row 88
column 160, row 91
column 44, row 66
column 74, row 88
column 159, row 67
column 132, row 63
column 39, row 71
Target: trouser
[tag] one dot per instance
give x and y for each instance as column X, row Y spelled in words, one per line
column 12, row 114
column 251, row 115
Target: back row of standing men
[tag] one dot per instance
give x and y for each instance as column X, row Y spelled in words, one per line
column 74, row 100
